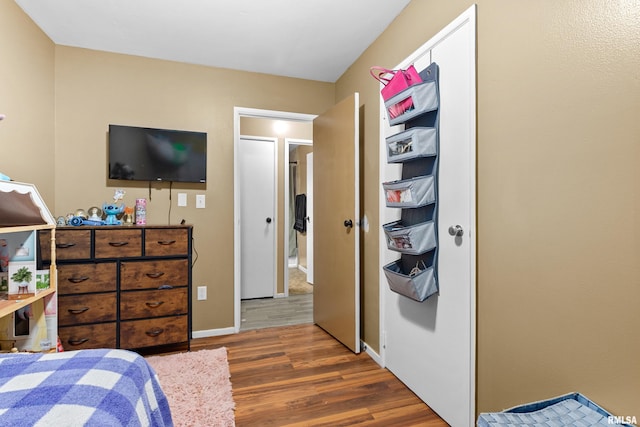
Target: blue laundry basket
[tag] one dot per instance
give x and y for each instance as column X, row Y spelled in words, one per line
column 571, row 409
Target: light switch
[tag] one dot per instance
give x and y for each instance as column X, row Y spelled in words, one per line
column 200, row 201
column 182, row 199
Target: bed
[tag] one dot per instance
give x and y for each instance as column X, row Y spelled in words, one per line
column 102, row 387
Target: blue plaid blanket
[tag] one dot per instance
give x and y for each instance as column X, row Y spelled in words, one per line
column 102, row 387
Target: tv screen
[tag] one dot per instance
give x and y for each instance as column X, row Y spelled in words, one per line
column 147, row 154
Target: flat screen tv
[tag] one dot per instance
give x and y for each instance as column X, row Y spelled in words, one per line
column 147, row 154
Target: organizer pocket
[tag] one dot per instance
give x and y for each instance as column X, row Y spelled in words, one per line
column 419, row 284
column 410, row 193
column 411, row 144
column 411, row 102
column 414, row 239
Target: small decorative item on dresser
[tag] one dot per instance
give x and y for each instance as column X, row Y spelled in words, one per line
column 141, row 211
column 111, row 211
column 128, row 218
column 95, row 213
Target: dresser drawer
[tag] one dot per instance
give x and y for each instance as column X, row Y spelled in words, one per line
column 118, row 243
column 84, row 278
column 141, row 304
column 89, row 308
column 154, row 274
column 152, row 332
column 70, row 244
column 102, row 335
column 166, row 241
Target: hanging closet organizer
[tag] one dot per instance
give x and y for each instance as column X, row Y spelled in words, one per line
column 415, row 234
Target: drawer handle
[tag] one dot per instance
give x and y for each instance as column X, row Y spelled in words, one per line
column 78, row 310
column 65, row 245
column 163, row 287
column 154, row 332
column 154, row 304
column 78, row 279
column 166, row 242
column 155, row 275
column 118, row 244
column 78, row 342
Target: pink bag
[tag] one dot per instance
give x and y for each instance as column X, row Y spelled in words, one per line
column 395, row 81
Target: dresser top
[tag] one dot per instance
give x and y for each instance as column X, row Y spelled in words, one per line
column 121, row 227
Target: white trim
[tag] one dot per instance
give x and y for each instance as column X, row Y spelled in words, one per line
column 471, row 16
column 375, row 356
column 287, row 142
column 212, row 332
column 356, row 217
column 237, row 113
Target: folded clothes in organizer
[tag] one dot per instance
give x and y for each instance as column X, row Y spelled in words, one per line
column 412, row 143
column 410, row 193
column 412, row 239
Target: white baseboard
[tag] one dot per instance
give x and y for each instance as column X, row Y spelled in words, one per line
column 302, row 268
column 375, row 356
column 213, row 332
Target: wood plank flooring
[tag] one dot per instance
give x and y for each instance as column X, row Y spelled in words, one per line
column 301, row 376
column 271, row 312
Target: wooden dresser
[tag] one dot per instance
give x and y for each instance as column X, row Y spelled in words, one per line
column 122, row 286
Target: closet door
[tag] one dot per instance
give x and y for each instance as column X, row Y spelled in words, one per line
column 430, row 345
column 258, row 216
column 336, row 281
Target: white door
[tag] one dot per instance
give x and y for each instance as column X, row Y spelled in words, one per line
column 309, row 218
column 257, row 166
column 430, row 346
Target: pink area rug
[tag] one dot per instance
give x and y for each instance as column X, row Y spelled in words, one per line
column 197, row 386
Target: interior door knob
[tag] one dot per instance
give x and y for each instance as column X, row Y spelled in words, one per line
column 268, row 220
column 348, row 223
column 456, row 230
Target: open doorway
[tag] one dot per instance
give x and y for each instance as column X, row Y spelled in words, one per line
column 293, row 132
column 298, row 230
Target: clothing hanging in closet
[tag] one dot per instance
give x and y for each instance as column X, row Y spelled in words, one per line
column 301, row 213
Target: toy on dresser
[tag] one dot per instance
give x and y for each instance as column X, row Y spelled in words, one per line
column 111, row 210
column 94, row 216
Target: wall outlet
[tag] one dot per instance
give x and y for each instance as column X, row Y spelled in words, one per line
column 182, row 199
column 202, row 293
column 200, row 201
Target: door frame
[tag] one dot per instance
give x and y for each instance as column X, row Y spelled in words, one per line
column 287, row 143
column 310, row 251
column 237, row 251
column 274, row 183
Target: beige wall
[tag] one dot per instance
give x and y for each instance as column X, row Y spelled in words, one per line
column 94, row 89
column 558, row 206
column 252, row 126
column 27, row 98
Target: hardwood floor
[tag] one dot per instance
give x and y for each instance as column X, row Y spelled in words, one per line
column 300, row 376
column 272, row 312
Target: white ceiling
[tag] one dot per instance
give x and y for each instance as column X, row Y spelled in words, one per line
column 309, row 39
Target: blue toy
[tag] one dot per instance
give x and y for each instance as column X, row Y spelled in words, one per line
column 112, row 210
